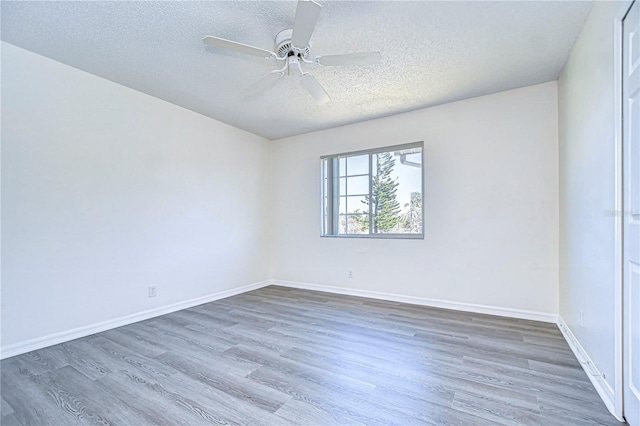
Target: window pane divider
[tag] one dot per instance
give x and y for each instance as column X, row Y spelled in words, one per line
column 376, row 150
column 370, row 194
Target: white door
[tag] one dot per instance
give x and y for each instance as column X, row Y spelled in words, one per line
column 631, row 203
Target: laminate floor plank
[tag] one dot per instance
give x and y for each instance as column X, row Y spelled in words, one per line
column 177, row 337
column 428, row 412
column 141, row 346
column 452, row 327
column 193, row 337
column 332, row 381
column 278, row 356
column 9, row 420
column 208, row 318
column 31, row 399
column 303, row 413
column 212, row 403
column 98, row 407
column 5, row 408
column 522, row 351
column 375, row 339
column 531, row 328
column 496, row 410
column 415, row 381
column 80, row 360
column 153, row 401
column 344, row 407
column 259, row 320
column 354, row 322
column 558, row 406
column 262, row 397
column 560, row 371
column 554, row 342
column 38, row 363
column 334, row 343
column 169, row 341
column 536, row 382
column 376, row 347
column 250, row 336
column 567, row 417
column 117, row 357
column 237, row 366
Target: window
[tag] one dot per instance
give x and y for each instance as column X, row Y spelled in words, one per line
column 375, row 193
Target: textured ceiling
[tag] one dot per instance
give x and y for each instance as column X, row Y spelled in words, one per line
column 432, row 53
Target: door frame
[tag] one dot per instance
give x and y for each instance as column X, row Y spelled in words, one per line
column 619, row 213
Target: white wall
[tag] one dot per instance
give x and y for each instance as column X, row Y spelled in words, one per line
column 491, row 205
column 106, row 190
column 587, row 185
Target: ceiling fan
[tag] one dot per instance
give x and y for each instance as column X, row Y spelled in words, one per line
column 293, row 47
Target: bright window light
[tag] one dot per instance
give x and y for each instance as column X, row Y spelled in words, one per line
column 374, row 193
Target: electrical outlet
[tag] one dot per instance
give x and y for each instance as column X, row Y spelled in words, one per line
column 153, row 291
column 581, row 318
column 350, row 273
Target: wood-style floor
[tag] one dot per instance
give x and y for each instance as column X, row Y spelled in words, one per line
column 278, row 356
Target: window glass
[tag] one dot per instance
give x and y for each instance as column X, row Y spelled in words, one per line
column 358, row 185
column 358, row 165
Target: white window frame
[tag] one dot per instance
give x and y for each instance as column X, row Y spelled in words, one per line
column 329, row 227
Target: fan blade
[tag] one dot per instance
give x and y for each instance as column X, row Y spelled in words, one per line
column 314, row 88
column 362, row 59
column 307, row 14
column 238, row 47
column 263, row 84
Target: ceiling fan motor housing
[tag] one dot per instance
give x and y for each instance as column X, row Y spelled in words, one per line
column 284, row 47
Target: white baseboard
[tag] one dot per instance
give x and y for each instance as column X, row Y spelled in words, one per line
column 65, row 336
column 594, row 374
column 436, row 303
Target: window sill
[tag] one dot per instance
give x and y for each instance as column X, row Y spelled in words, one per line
column 379, row 236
